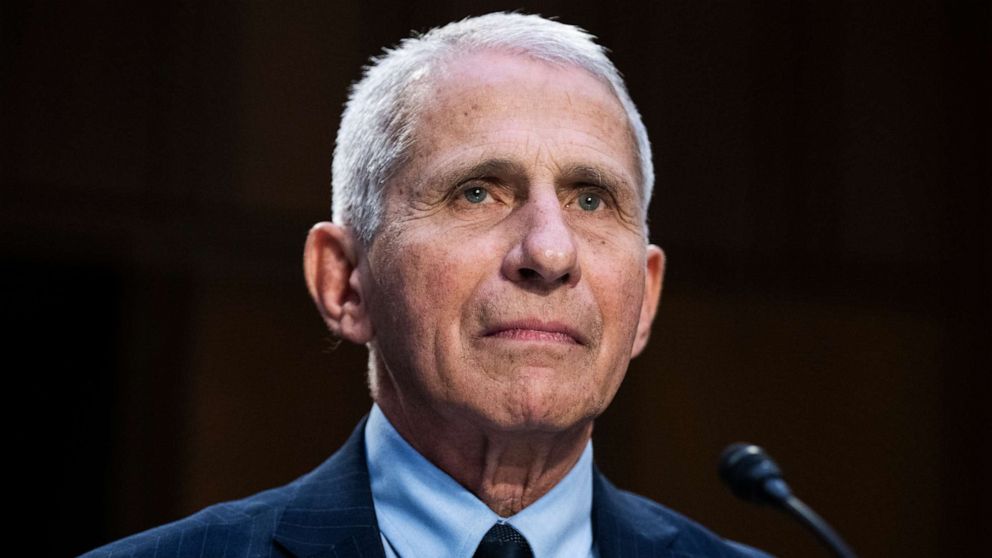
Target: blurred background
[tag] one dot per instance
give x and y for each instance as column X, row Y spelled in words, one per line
column 823, row 195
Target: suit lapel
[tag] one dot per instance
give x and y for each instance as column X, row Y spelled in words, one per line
column 331, row 511
column 623, row 526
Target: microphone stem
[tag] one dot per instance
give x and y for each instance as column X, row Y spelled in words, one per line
column 818, row 526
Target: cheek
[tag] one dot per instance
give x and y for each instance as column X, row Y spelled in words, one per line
column 619, row 288
column 427, row 284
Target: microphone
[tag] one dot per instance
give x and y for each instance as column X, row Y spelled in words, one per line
column 754, row 477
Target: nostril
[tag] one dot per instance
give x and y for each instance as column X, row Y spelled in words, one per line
column 528, row 274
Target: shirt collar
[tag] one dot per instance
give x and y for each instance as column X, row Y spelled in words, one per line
column 424, row 512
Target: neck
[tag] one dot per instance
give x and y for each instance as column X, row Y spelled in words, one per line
column 506, row 470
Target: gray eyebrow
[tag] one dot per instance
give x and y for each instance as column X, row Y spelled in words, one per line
column 503, row 167
column 595, row 173
column 489, row 167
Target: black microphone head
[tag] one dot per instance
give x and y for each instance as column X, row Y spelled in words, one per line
column 752, row 475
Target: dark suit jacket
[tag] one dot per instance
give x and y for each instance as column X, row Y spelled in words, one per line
column 328, row 513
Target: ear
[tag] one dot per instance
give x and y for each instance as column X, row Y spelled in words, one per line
column 654, row 274
column 333, row 275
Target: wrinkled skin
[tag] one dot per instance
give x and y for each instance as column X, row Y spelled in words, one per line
column 510, row 282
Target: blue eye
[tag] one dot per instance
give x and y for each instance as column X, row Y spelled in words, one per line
column 589, row 202
column 476, row 194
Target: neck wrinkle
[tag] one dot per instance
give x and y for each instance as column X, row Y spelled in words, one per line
column 507, row 471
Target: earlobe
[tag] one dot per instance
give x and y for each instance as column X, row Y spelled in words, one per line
column 654, row 275
column 331, row 266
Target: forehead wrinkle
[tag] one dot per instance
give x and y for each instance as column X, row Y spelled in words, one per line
column 466, row 106
column 457, row 71
column 627, row 174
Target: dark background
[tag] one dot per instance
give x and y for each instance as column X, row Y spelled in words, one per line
column 822, row 194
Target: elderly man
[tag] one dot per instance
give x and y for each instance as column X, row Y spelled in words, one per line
column 491, row 181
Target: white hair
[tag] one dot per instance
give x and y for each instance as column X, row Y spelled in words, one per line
column 380, row 117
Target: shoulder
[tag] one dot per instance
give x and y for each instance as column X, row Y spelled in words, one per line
column 632, row 524
column 240, row 528
column 296, row 515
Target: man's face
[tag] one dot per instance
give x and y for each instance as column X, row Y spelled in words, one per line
column 506, row 283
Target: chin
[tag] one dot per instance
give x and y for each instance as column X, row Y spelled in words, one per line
column 527, row 411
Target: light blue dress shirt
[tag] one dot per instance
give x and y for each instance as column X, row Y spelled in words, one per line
column 423, row 512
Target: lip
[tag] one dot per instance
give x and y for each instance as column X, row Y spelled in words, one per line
column 536, row 330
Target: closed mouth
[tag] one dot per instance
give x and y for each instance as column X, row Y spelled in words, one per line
column 537, row 331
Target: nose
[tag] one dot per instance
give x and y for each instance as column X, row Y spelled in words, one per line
column 546, row 253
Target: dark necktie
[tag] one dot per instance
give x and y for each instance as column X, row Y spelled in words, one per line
column 503, row 541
